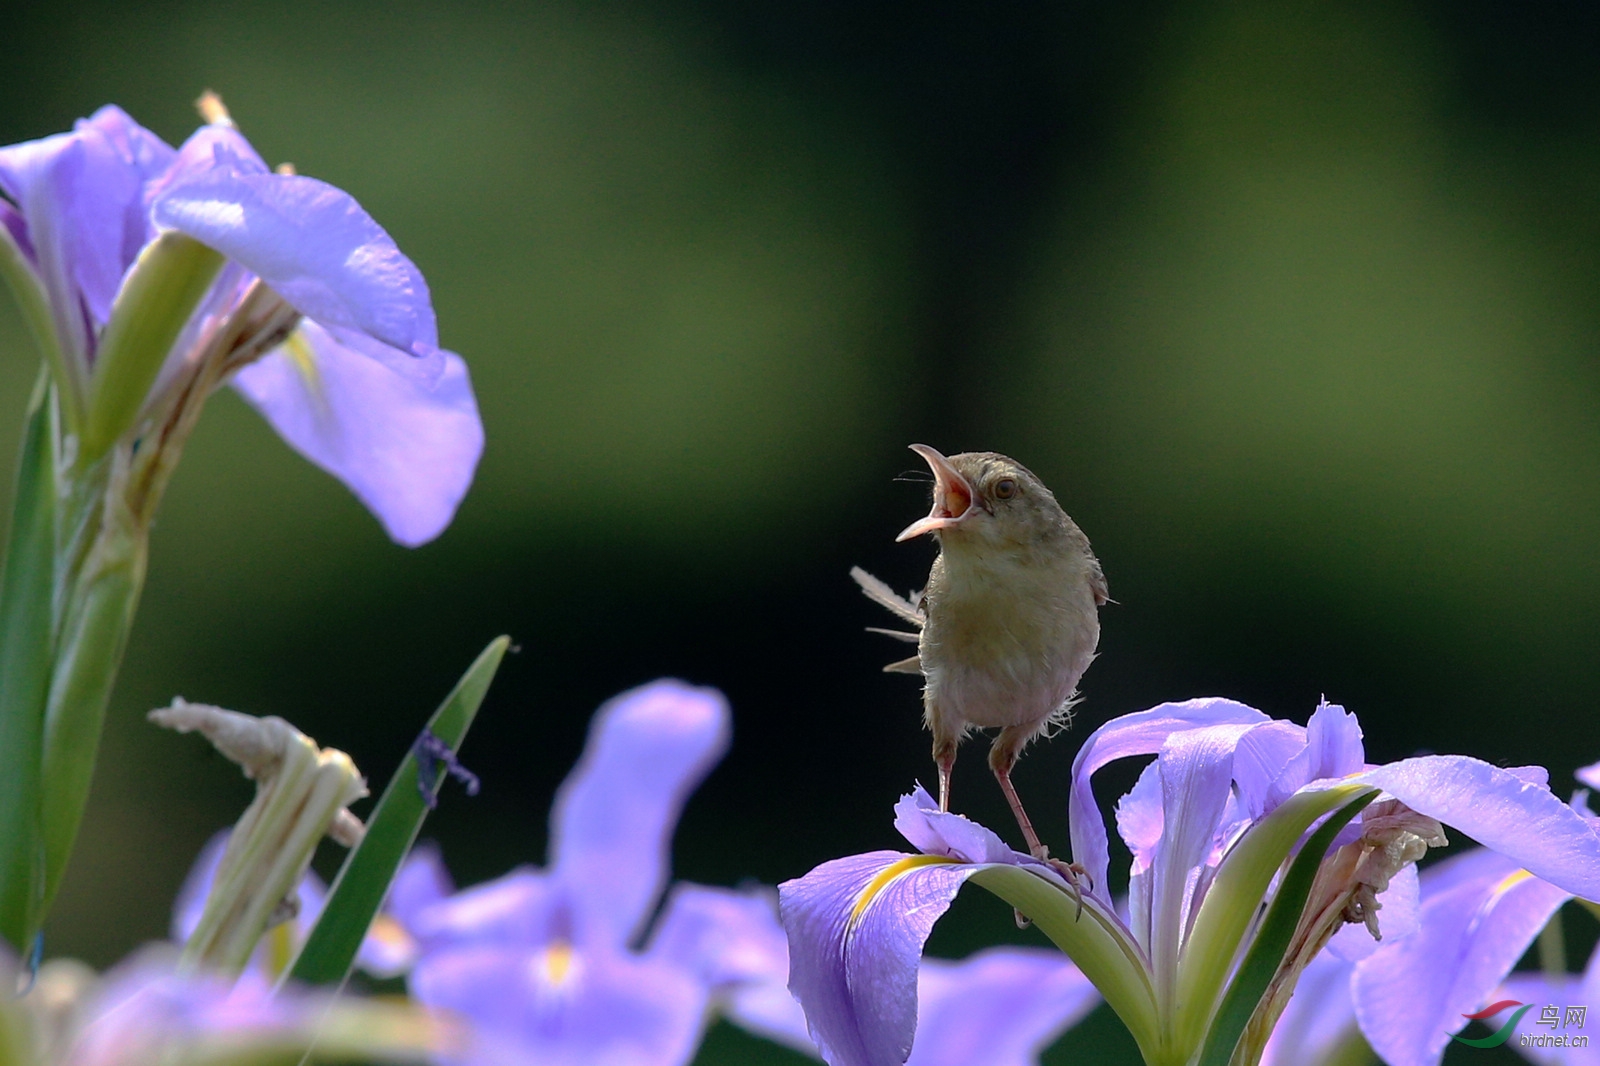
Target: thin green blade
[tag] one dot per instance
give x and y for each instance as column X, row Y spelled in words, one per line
column 26, row 628
column 364, row 879
column 1265, row 953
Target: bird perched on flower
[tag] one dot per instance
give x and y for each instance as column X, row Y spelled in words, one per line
column 1009, row 620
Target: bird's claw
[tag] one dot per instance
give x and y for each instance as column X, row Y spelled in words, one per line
column 1070, row 872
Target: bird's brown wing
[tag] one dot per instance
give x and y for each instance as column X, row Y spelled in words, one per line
column 884, row 596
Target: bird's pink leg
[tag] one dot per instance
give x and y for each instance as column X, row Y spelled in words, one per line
column 1035, row 848
column 944, row 754
column 1002, row 757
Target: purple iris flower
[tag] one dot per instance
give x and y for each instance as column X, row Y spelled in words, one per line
column 1406, row 997
column 543, row 962
column 321, row 322
column 1209, row 824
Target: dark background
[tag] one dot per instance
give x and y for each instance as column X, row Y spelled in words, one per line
column 1296, row 307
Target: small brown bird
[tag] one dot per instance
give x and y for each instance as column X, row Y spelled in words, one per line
column 1009, row 620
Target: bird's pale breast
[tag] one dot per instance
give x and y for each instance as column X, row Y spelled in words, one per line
column 1007, row 638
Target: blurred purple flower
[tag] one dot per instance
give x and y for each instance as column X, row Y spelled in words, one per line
column 1572, row 990
column 856, row 926
column 542, row 961
column 336, row 346
column 145, row 1011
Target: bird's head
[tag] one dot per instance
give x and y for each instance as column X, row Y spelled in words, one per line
column 985, row 496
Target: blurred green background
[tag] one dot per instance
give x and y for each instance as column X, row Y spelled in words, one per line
column 1296, row 307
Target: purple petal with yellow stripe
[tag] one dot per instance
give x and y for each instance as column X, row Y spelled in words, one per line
column 856, row 927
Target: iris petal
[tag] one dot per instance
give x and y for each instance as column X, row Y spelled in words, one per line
column 311, row 243
column 406, row 448
column 611, row 827
column 1477, row 919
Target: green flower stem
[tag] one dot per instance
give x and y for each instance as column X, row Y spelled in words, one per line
column 162, row 290
column 1231, row 904
column 89, row 651
column 26, row 640
column 1115, row 966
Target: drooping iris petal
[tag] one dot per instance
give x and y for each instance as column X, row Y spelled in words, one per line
column 1502, row 810
column 856, row 927
column 559, row 1005
column 1259, row 763
column 611, row 827
column 1141, row 733
column 1589, row 775
column 1478, row 915
column 406, row 447
column 1320, row 1019
column 311, row 243
column 1000, row 1007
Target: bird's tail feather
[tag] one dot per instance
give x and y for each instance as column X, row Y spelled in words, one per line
column 888, row 598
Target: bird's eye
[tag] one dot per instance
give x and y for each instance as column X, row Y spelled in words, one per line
column 1005, row 488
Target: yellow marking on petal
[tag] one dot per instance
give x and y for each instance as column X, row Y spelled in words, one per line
column 304, row 360
column 391, row 935
column 890, row 873
column 558, row 958
column 1510, row 881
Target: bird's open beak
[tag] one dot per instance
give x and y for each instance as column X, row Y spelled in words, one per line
column 952, row 496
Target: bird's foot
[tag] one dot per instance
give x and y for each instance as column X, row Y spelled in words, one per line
column 1072, row 873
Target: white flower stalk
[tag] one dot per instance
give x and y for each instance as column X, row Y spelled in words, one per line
column 301, row 794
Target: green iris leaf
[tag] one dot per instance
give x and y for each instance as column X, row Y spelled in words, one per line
column 1267, row 950
column 363, row 881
